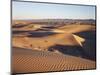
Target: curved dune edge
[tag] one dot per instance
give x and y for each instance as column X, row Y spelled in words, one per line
column 79, row 39
column 48, row 41
column 26, row 61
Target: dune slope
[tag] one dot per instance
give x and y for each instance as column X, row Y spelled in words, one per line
column 30, row 61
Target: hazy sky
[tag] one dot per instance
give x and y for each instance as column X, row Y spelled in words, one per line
column 30, row 10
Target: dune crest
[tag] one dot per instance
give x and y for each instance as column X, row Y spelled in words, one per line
column 79, row 39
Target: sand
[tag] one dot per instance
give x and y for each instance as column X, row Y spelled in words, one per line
column 29, row 61
column 64, row 48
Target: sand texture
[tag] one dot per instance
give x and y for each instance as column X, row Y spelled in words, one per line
column 26, row 61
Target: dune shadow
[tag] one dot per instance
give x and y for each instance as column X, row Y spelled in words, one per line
column 41, row 34
column 72, row 50
column 34, row 33
column 89, row 45
column 18, row 32
column 19, row 25
column 87, row 34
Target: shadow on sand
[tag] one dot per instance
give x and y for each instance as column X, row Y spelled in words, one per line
column 74, row 51
column 88, row 49
column 89, row 45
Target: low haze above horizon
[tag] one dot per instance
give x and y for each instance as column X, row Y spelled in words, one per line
column 33, row 10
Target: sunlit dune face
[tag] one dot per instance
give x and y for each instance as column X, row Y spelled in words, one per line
column 80, row 40
column 45, row 42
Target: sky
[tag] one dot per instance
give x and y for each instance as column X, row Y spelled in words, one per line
column 31, row 10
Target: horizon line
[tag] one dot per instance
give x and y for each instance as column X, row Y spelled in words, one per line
column 56, row 18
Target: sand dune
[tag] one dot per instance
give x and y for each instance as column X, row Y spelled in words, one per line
column 29, row 61
column 63, row 48
column 70, row 39
column 27, row 27
column 76, row 28
column 47, row 41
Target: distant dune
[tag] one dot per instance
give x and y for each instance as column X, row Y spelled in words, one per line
column 77, row 28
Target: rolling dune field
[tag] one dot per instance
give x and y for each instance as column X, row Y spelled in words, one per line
column 45, row 48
